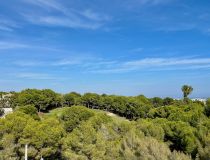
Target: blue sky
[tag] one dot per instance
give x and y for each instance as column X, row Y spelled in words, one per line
column 128, row 47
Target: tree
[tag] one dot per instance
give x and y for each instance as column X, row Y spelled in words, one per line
column 91, row 100
column 106, row 102
column 72, row 98
column 74, row 116
column 180, row 135
column 43, row 138
column 43, row 100
column 8, row 147
column 157, row 102
column 149, row 129
column 30, row 110
column 187, row 90
column 208, row 107
column 168, row 101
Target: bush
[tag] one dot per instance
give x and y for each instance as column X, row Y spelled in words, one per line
column 30, row 110
column 180, row 135
column 150, row 129
column 207, row 108
column 74, row 116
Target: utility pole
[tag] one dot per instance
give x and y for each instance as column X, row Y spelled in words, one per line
column 26, row 152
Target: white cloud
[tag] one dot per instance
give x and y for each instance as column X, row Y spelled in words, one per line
column 98, row 65
column 154, row 2
column 11, row 45
column 65, row 16
column 28, row 63
column 38, row 76
column 5, row 28
column 67, row 62
column 136, row 50
column 94, row 16
column 65, row 22
column 156, row 64
column 7, row 25
column 81, row 60
column 46, row 4
column 167, row 62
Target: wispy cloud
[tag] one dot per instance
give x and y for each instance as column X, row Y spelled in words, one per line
column 156, row 16
column 156, row 64
column 137, row 50
column 62, row 22
column 94, row 16
column 11, row 45
column 67, row 62
column 16, row 44
column 97, row 65
column 7, row 25
column 154, row 2
column 28, row 63
column 81, row 60
column 183, row 26
column 133, row 4
column 167, row 62
column 65, row 17
column 36, row 76
column 46, row 4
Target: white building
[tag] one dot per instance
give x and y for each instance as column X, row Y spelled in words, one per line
column 7, row 111
column 199, row 99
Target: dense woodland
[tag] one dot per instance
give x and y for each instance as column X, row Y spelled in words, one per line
column 77, row 127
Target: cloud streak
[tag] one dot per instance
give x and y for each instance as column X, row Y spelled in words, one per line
column 7, row 25
column 102, row 66
column 156, row 64
column 65, row 17
column 154, row 2
column 4, row 45
column 36, row 76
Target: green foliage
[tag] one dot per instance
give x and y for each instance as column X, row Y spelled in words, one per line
column 150, row 129
column 207, row 109
column 8, row 146
column 191, row 113
column 74, row 116
column 30, row 110
column 91, row 135
column 14, row 124
column 90, row 100
column 41, row 99
column 43, row 138
column 180, row 135
column 11, row 130
column 168, row 101
column 179, row 156
column 72, row 98
column 165, row 130
column 147, row 148
column 186, row 91
column 157, row 102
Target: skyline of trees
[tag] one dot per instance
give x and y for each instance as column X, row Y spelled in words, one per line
column 75, row 126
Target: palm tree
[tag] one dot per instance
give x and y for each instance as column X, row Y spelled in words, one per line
column 186, row 90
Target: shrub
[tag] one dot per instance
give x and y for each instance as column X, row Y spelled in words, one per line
column 74, row 116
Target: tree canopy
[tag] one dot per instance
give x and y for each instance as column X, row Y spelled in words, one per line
column 92, row 126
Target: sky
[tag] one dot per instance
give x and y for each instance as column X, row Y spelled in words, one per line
column 128, row 47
